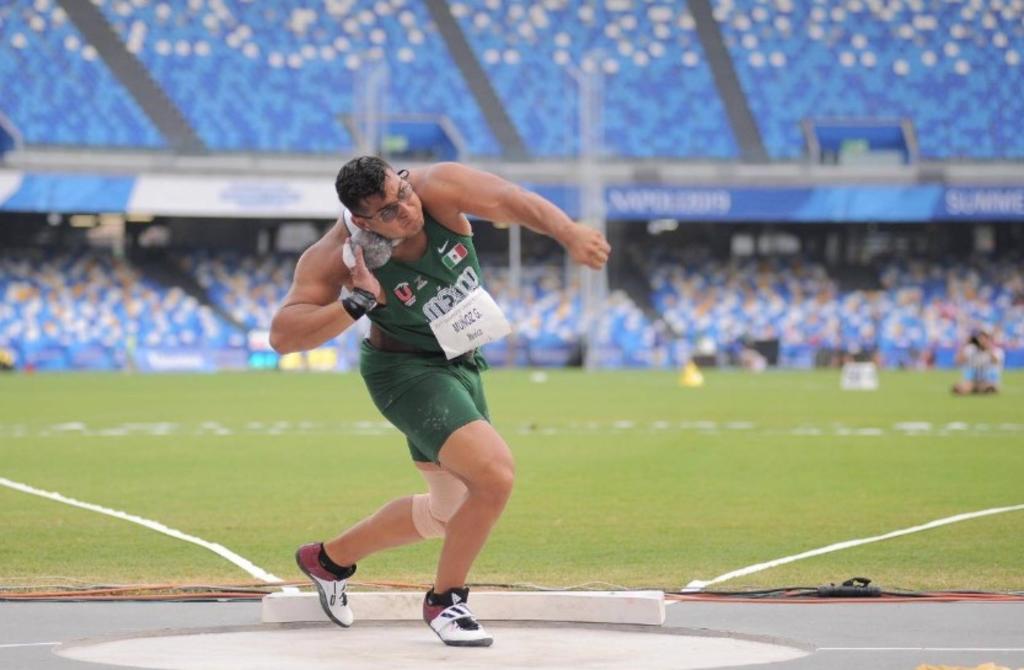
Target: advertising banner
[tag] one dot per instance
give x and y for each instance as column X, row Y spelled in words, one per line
column 175, row 195
column 821, row 203
column 173, row 360
column 255, row 196
column 992, row 203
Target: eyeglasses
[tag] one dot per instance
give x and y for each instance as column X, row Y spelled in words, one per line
column 388, row 212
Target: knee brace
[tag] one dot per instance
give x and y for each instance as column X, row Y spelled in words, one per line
column 431, row 511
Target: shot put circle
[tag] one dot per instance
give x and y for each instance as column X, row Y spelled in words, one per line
column 397, row 646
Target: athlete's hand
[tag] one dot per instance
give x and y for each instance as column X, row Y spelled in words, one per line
column 361, row 275
column 587, row 246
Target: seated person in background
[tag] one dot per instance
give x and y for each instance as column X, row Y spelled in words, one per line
column 6, row 360
column 751, row 359
column 982, row 363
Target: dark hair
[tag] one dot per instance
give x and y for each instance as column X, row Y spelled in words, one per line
column 360, row 178
column 977, row 334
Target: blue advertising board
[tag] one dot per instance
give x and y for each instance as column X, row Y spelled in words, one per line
column 862, row 203
column 916, row 203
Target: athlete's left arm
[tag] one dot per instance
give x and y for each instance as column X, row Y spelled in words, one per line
column 461, row 189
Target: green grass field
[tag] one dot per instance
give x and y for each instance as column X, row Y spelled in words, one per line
column 623, row 477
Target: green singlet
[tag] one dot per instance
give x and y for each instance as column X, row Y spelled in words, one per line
column 424, row 395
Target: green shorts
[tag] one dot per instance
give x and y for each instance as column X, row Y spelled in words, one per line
column 424, row 395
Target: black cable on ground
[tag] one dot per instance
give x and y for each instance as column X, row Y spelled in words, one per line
column 857, row 589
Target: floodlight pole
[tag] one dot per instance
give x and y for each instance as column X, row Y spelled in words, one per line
column 372, row 92
column 593, row 284
column 515, row 282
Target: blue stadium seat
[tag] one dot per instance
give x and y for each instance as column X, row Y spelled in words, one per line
column 953, row 68
column 55, row 89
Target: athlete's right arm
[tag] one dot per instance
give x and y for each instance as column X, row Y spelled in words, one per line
column 311, row 313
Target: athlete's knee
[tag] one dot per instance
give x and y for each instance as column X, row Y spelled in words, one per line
column 495, row 482
column 431, row 511
column 483, row 461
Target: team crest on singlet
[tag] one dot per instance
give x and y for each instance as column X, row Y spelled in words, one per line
column 450, row 296
column 405, row 293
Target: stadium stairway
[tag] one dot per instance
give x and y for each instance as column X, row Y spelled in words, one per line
column 734, row 100
column 165, row 269
column 480, row 86
column 136, row 79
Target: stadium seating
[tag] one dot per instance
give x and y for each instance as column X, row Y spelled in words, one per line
column 88, row 310
column 274, row 76
column 725, row 303
column 549, row 322
column 283, row 77
column 248, row 288
column 953, row 68
column 546, row 315
column 933, row 306
column 659, row 98
column 54, row 88
column 919, row 316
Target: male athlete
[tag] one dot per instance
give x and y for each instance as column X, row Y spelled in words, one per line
column 413, row 368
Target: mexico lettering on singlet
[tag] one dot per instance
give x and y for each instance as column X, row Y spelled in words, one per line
column 448, row 297
column 422, row 292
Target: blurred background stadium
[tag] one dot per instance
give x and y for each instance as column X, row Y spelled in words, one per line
column 813, row 180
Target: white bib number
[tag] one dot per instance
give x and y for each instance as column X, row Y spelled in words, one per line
column 475, row 321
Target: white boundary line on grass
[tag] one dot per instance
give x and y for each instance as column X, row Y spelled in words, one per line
column 699, row 585
column 244, row 563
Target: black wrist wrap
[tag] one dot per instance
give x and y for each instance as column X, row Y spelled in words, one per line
column 359, row 303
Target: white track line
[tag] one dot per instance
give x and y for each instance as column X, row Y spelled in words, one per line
column 243, row 563
column 29, row 644
column 698, row 585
